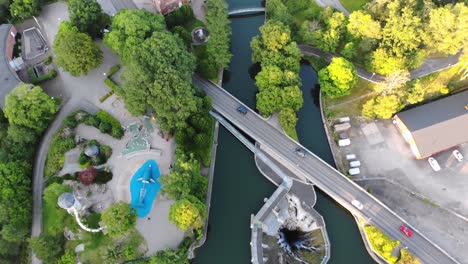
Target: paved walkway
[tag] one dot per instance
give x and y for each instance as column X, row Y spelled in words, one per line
column 333, row 3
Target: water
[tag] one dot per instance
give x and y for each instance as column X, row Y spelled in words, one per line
column 239, row 189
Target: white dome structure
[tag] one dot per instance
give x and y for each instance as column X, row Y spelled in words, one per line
column 66, row 200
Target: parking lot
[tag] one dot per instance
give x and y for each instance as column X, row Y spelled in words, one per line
column 427, row 199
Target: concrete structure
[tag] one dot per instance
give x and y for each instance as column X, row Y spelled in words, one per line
column 312, row 169
column 8, row 77
column 167, row 6
column 436, row 126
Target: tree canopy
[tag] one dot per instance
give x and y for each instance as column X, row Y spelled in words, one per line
column 337, row 78
column 130, row 28
column 119, row 219
column 76, row 52
column 188, row 213
column 159, row 76
column 218, row 55
column 25, row 8
column 185, row 178
column 47, row 247
column 29, row 107
column 85, row 15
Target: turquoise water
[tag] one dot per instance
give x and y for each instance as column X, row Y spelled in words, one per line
column 144, row 187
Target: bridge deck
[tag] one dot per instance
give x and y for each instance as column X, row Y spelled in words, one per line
column 325, row 177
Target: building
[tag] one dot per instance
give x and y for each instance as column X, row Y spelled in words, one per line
column 112, row 7
column 167, row 6
column 436, row 126
column 8, row 77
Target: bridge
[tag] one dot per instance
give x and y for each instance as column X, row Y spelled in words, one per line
column 246, row 11
column 322, row 175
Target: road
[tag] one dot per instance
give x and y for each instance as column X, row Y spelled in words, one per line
column 429, row 66
column 329, row 180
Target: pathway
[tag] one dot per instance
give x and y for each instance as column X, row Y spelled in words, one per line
column 333, row 3
column 429, row 66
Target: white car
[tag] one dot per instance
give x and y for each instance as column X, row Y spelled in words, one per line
column 434, row 164
column 457, row 155
column 357, row 204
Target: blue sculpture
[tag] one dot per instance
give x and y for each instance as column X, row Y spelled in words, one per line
column 144, row 187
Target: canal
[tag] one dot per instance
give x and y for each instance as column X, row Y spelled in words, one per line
column 239, row 188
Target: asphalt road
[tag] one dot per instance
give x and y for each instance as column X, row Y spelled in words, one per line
column 321, row 174
column 429, row 66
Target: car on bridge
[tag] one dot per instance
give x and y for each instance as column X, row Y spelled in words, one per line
column 300, row 152
column 242, row 109
column 405, row 230
column 357, row 204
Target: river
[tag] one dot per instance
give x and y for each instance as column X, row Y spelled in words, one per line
column 239, row 188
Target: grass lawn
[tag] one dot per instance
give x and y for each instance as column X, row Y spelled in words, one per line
column 352, row 5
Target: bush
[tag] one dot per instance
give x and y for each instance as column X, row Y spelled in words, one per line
column 106, row 151
column 381, row 243
column 48, row 76
column 92, row 120
column 103, row 177
column 113, row 124
column 55, row 155
column 105, row 127
column 87, row 176
column 83, row 159
column 113, row 70
column 111, row 84
column 180, row 16
column 107, row 95
column 48, row 61
column 70, row 121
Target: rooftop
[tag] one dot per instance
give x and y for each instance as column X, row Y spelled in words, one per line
column 8, row 78
column 438, row 125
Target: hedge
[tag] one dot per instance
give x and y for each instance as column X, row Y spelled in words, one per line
column 106, row 119
column 110, row 84
column 48, row 76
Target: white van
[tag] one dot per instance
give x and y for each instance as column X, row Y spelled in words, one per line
column 344, row 142
column 354, row 163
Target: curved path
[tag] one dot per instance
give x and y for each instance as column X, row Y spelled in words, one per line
column 429, row 66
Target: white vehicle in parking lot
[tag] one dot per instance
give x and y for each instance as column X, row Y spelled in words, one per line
column 434, row 164
column 457, row 155
column 357, row 204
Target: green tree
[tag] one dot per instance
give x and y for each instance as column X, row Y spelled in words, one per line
column 130, row 28
column 218, row 54
column 337, row 78
column 447, row 29
column 276, row 10
column 119, row 219
column 288, row 120
column 76, row 52
column 185, row 178
column 384, row 62
column 361, row 24
column 7, row 248
column 30, row 107
column 383, row 107
column 188, row 213
column 48, row 248
column 159, row 76
column 25, row 8
column 381, row 243
column 349, row 51
column 85, row 15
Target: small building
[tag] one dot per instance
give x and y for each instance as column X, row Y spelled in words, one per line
column 167, row 6
column 112, row 7
column 8, row 77
column 436, row 126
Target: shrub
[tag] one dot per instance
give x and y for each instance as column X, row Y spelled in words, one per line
column 115, row 126
column 113, row 70
column 70, row 121
column 48, row 76
column 55, row 155
column 83, row 159
column 48, row 61
column 107, row 95
column 381, row 243
column 106, row 151
column 92, row 120
column 103, row 177
column 87, row 176
column 111, row 84
column 105, row 127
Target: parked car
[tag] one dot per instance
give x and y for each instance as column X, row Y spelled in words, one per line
column 434, row 164
column 354, row 171
column 344, row 142
column 457, row 155
column 242, row 109
column 357, row 204
column 300, row 152
column 350, row 156
column 408, row 232
column 354, row 163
